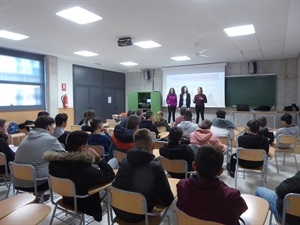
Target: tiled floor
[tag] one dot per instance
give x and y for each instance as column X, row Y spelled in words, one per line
column 247, row 186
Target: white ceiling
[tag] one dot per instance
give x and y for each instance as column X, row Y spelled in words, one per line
column 175, row 24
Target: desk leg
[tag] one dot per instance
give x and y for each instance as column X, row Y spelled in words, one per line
column 274, row 120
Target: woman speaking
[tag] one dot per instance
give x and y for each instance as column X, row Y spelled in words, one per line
column 199, row 100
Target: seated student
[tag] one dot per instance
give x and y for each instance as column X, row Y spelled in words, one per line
column 124, row 121
column 264, row 130
column 76, row 165
column 179, row 119
column 43, row 113
column 221, row 126
column 275, row 198
column 86, row 126
column 175, row 150
column 140, row 173
column 287, row 128
column 61, row 120
column 4, row 147
column 122, row 137
column 187, row 125
column 140, row 114
column 148, row 123
column 203, row 136
column 205, row 196
column 99, row 135
column 81, row 121
column 159, row 121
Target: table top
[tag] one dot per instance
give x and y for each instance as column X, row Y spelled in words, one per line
column 257, row 212
column 156, row 152
column 163, row 135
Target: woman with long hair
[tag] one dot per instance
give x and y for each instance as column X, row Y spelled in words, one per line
column 185, row 98
column 172, row 104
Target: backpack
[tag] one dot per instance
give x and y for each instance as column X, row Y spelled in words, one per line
column 13, row 128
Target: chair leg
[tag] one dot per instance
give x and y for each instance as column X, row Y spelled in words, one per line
column 235, row 178
column 283, row 159
column 270, row 220
column 8, row 189
column 296, row 161
column 53, row 214
column 276, row 162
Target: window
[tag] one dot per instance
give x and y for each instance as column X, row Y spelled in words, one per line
column 22, row 80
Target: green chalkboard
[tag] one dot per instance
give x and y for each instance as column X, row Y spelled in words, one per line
column 251, row 90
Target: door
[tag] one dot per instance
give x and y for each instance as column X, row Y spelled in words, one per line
column 81, row 102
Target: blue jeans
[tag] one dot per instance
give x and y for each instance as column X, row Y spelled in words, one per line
column 271, row 197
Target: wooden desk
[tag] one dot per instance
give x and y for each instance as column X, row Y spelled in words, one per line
column 15, row 202
column 257, row 212
column 173, row 182
column 28, row 214
column 156, row 152
column 18, row 136
column 163, row 135
column 252, row 114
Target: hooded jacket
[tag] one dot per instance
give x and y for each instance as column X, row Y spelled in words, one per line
column 187, row 127
column 223, row 127
column 122, row 140
column 77, row 166
column 206, row 137
column 149, row 125
column 139, row 173
column 294, row 130
column 10, row 155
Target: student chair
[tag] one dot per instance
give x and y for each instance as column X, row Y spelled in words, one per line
column 184, row 219
column 75, row 127
column 64, row 187
column 5, row 176
column 159, row 144
column 119, row 199
column 291, row 206
column 27, row 173
column 286, row 139
column 99, row 149
column 254, row 155
column 119, row 155
column 161, row 129
column 174, row 165
column 225, row 140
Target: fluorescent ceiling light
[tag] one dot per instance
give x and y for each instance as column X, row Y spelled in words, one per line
column 147, row 44
column 79, row 15
column 12, row 36
column 239, row 31
column 180, row 58
column 128, row 63
column 85, row 53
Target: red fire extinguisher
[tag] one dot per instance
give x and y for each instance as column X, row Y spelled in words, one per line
column 64, row 100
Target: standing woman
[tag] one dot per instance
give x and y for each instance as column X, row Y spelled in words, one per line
column 200, row 99
column 172, row 103
column 185, row 98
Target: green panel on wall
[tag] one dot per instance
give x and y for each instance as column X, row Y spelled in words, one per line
column 251, row 90
column 133, row 101
column 155, row 101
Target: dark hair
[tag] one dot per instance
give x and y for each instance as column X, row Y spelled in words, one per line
column 182, row 111
column 206, row 124
column 90, row 114
column 139, row 112
column 287, row 118
column 209, row 161
column 175, row 134
column 95, row 123
column 253, row 126
column 132, row 122
column 43, row 113
column 148, row 114
column 142, row 138
column 76, row 139
column 2, row 122
column 182, row 89
column 170, row 93
column 60, row 118
column 262, row 121
column 43, row 122
column 221, row 114
column 188, row 116
column 130, row 112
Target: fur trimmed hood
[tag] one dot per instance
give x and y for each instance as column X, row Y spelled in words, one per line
column 86, row 157
column 223, row 123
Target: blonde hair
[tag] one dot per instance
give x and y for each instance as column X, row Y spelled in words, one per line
column 158, row 116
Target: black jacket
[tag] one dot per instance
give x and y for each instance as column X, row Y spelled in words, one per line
column 149, row 125
column 174, row 150
column 10, row 155
column 188, row 100
column 290, row 185
column 78, row 168
column 139, row 173
column 123, row 134
column 265, row 132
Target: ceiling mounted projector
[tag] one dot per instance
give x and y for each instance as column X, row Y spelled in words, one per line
column 122, row 42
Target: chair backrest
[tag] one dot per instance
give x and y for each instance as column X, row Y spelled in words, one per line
column 98, row 148
column 291, row 206
column 119, row 155
column 225, row 140
column 24, row 172
column 159, row 144
column 61, row 186
column 75, row 127
column 184, row 219
column 174, row 165
column 3, row 162
column 287, row 139
column 111, row 123
column 161, row 129
column 251, row 154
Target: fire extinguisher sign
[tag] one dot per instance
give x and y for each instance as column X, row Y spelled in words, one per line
column 63, row 86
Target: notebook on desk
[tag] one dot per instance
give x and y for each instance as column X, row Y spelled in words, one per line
column 242, row 107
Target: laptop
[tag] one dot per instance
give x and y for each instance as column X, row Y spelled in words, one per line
column 242, row 107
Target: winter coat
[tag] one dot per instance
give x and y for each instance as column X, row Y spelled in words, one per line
column 149, row 125
column 187, row 127
column 223, row 127
column 294, row 130
column 4, row 147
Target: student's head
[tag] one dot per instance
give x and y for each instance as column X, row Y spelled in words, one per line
column 286, row 119
column 262, row 121
column 130, row 112
column 188, row 116
column 182, row 111
column 208, row 162
column 140, row 113
column 200, row 90
column 96, row 124
column 158, row 116
column 77, row 140
column 3, row 126
column 90, row 114
column 148, row 115
column 206, row 124
column 172, row 91
column 175, row 134
column 46, row 123
column 43, row 113
column 133, row 122
column 221, row 114
column 253, row 126
column 61, row 120
column 184, row 90
column 143, row 139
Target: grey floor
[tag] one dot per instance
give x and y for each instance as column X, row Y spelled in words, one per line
column 246, row 186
